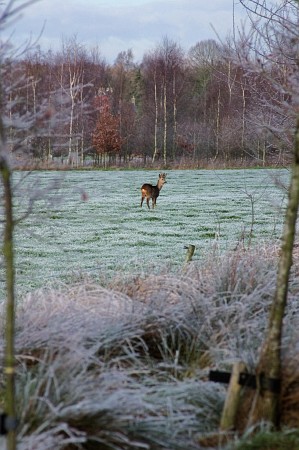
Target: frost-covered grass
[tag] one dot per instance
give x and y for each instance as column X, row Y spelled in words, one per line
column 90, row 222
column 126, row 366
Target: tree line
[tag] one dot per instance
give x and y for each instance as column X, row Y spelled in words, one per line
column 176, row 108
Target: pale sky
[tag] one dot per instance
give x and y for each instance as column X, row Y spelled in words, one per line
column 117, row 25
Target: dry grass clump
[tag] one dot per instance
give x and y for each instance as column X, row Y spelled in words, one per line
column 126, row 366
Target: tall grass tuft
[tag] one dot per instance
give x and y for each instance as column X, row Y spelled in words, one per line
column 126, row 366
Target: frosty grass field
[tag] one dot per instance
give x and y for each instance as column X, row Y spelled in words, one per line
column 89, row 223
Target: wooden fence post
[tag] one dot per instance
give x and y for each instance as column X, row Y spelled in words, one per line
column 231, row 404
column 190, row 253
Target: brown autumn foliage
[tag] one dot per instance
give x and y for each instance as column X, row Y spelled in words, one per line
column 106, row 137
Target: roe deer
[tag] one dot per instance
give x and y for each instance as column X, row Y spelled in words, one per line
column 149, row 191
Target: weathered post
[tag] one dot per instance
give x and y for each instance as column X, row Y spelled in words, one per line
column 230, row 409
column 190, row 253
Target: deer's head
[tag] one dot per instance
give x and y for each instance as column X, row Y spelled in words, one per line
column 162, row 178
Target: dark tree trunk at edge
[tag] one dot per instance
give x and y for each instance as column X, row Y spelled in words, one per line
column 266, row 405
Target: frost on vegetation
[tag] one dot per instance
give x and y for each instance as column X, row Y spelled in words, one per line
column 64, row 237
column 126, row 366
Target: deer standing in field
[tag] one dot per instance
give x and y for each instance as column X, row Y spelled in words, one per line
column 149, row 191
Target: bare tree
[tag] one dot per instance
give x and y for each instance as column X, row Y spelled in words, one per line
column 72, row 53
column 22, row 120
column 275, row 52
column 6, row 14
column 164, row 88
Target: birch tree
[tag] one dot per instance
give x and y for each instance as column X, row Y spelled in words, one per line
column 163, row 71
column 71, row 76
column 172, row 62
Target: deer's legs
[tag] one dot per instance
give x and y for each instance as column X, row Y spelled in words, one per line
column 147, row 202
column 142, row 198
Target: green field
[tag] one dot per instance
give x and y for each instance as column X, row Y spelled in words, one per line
column 90, row 222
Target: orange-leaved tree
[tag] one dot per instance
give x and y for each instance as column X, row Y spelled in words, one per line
column 106, row 137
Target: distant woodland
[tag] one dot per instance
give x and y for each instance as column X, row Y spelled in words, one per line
column 219, row 104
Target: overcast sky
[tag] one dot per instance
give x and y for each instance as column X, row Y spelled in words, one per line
column 117, row 25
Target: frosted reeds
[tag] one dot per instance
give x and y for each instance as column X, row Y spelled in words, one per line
column 126, row 366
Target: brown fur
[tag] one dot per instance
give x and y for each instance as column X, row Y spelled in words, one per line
column 149, row 191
